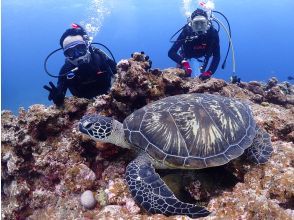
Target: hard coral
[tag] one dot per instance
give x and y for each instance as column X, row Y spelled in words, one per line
column 79, row 178
column 46, row 163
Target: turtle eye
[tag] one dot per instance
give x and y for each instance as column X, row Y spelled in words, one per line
column 87, row 124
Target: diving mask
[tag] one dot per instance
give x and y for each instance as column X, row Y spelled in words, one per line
column 77, row 52
column 200, row 24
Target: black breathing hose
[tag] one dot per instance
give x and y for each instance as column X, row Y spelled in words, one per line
column 45, row 64
column 106, row 49
column 173, row 41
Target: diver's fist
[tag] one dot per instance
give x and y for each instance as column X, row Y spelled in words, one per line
column 54, row 94
column 186, row 66
column 205, row 75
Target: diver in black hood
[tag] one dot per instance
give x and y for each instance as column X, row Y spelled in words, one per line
column 197, row 39
column 87, row 71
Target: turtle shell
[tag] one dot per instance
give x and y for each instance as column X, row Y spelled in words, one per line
column 192, row 130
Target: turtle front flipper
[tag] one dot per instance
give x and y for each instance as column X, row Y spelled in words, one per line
column 261, row 149
column 149, row 190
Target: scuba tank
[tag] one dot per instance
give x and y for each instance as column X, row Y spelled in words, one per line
column 69, row 74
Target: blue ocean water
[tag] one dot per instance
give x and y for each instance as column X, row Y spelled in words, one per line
column 262, row 33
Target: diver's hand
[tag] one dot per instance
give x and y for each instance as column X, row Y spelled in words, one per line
column 205, row 75
column 54, row 94
column 186, row 66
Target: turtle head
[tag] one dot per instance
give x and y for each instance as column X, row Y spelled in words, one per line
column 96, row 126
column 103, row 129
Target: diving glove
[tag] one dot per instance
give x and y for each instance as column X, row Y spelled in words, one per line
column 54, row 94
column 186, row 66
column 205, row 75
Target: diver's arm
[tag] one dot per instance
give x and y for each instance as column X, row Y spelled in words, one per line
column 107, row 61
column 61, row 83
column 215, row 54
column 56, row 94
column 173, row 51
column 111, row 64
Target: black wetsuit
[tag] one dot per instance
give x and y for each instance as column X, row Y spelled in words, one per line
column 196, row 47
column 90, row 79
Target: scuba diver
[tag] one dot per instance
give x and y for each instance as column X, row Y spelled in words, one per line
column 87, row 71
column 200, row 39
column 197, row 39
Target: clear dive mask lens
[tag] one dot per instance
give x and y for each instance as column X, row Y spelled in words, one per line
column 75, row 49
column 199, row 24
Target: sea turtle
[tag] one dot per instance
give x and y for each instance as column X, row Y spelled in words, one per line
column 190, row 131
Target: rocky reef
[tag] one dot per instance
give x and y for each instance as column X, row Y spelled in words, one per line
column 46, row 164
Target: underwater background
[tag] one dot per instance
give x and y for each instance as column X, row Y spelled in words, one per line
column 262, row 33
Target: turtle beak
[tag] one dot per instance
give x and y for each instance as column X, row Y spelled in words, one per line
column 85, row 125
column 82, row 128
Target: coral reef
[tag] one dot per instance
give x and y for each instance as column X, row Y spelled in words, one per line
column 46, row 164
